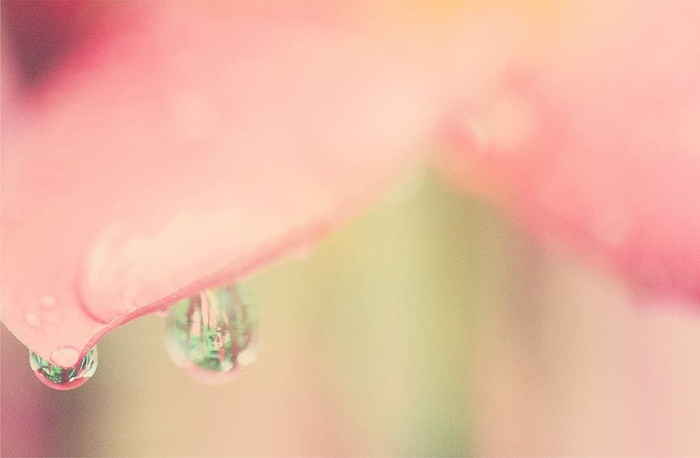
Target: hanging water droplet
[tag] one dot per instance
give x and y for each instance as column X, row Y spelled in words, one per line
column 213, row 335
column 64, row 377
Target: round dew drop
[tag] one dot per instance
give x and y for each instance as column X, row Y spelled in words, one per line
column 64, row 378
column 213, row 335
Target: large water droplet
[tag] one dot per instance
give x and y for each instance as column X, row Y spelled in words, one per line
column 213, row 335
column 62, row 377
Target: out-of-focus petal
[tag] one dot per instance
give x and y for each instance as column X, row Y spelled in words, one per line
column 593, row 134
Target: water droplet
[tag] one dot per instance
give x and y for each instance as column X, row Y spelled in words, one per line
column 60, row 377
column 32, row 320
column 48, row 302
column 213, row 335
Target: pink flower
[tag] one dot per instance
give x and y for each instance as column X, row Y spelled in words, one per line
column 154, row 149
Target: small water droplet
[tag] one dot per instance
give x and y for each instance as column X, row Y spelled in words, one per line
column 213, row 335
column 48, row 302
column 61, row 377
column 32, row 320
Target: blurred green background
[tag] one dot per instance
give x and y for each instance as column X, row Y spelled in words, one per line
column 426, row 327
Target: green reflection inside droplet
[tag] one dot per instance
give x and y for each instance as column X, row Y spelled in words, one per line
column 58, row 375
column 212, row 329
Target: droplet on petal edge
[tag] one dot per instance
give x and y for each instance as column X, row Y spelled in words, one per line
column 60, row 377
column 213, row 335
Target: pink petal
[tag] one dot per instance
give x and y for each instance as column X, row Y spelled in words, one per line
column 594, row 136
column 180, row 145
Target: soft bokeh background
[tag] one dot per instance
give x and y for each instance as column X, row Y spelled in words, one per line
column 427, row 327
